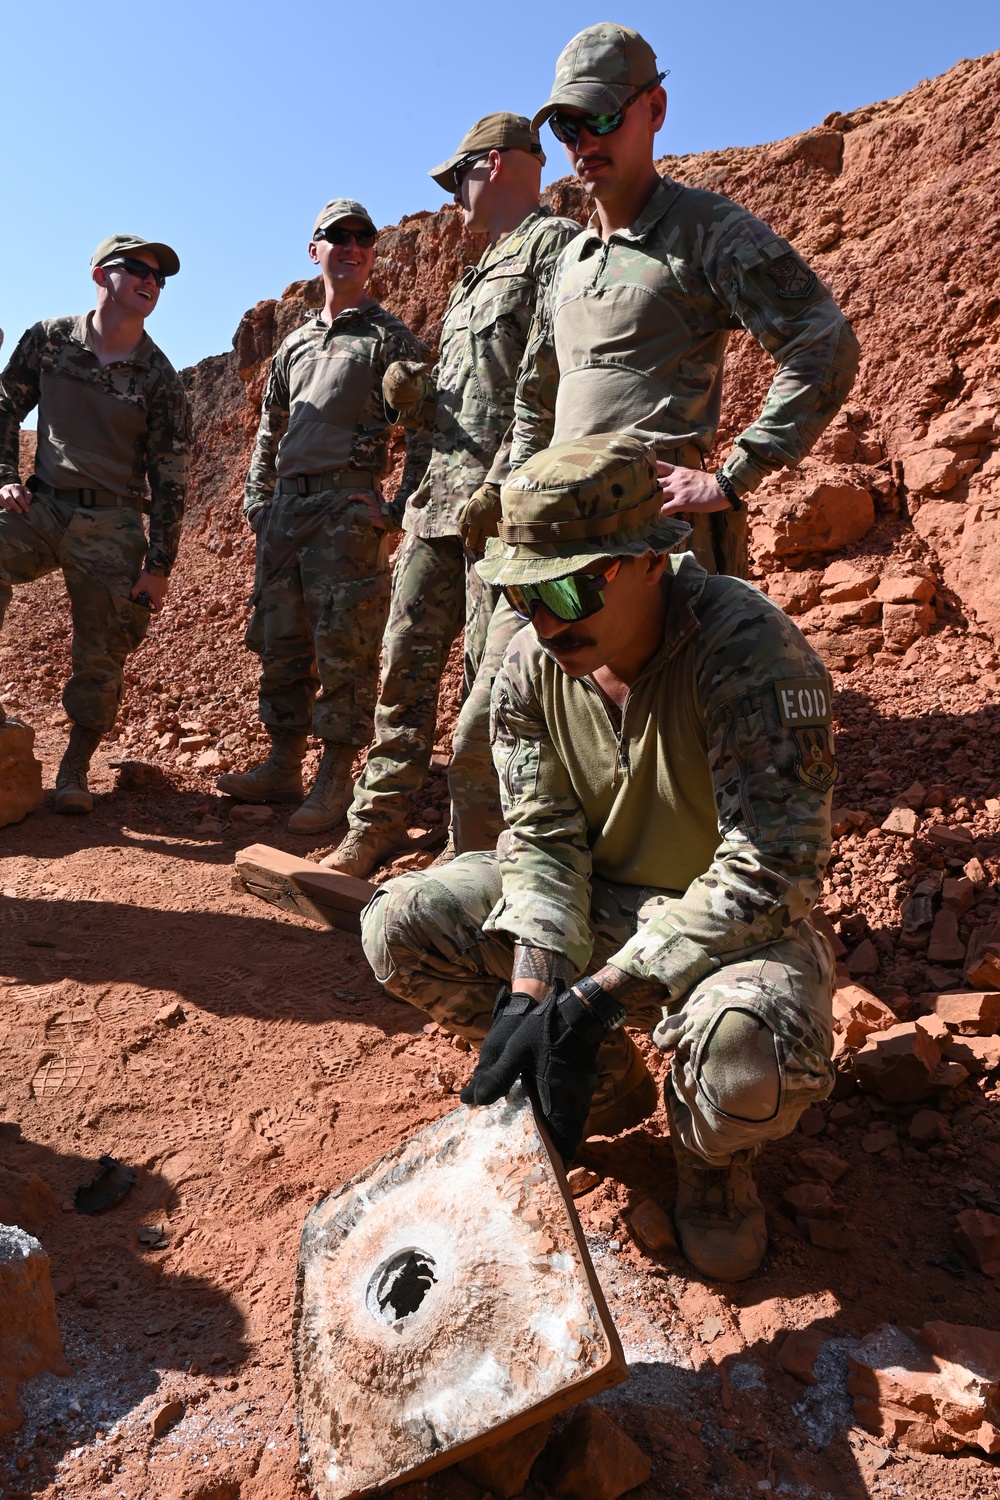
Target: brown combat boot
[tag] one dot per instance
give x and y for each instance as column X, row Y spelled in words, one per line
column 719, row 1217
column 331, row 793
column 277, row 779
column 363, row 849
column 627, row 1100
column 72, row 791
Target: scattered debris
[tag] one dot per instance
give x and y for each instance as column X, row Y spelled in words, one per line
column 109, row 1187
column 936, row 1390
column 593, row 1459
column 165, row 1416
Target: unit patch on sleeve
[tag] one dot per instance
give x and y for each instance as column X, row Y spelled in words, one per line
column 803, row 701
column 791, row 278
column 815, row 765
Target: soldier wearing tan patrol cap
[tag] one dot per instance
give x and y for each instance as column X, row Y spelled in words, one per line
column 112, row 416
column 465, row 403
column 663, row 743
column 634, row 330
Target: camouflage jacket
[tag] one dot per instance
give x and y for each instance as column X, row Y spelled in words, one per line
column 107, row 429
column 323, row 406
column 633, row 335
column 712, row 784
column 468, row 399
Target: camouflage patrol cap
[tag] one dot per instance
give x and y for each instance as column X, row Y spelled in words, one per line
column 120, row 244
column 342, row 208
column 599, row 69
column 499, row 132
column 575, row 502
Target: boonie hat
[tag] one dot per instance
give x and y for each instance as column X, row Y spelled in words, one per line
column 498, row 132
column 575, row 502
column 343, row 208
column 598, row 70
column 120, row 244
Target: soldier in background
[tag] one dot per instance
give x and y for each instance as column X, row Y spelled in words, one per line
column 313, row 498
column 112, row 414
column 663, row 743
column 466, row 402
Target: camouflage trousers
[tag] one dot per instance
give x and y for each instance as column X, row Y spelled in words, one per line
column 101, row 553
column 424, row 936
column 435, row 591
column 476, row 817
column 320, row 597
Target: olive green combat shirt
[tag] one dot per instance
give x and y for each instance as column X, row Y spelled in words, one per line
column 633, row 334
column 712, row 784
column 109, row 428
column 323, row 409
column 468, row 397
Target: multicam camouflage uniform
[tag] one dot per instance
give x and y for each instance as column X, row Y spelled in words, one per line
column 101, row 433
column 467, row 405
column 322, row 584
column 682, row 840
column 633, row 334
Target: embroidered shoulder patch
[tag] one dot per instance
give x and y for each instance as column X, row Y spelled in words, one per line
column 802, row 701
column 815, row 766
column 791, row 278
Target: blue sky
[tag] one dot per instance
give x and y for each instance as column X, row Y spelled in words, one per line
column 221, row 127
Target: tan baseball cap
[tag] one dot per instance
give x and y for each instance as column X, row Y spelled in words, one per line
column 599, row 69
column 497, row 132
column 343, row 208
column 121, row 244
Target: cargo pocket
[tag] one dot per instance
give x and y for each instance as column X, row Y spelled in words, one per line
column 132, row 620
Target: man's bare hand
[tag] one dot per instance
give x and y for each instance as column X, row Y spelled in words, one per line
column 153, row 585
column 15, row 497
column 687, row 490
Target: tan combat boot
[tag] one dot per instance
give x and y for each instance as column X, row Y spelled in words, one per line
column 72, row 791
column 719, row 1217
column 331, row 793
column 626, row 1100
column 363, row 849
column 277, row 779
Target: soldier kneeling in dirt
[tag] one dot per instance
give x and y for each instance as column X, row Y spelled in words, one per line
column 662, row 739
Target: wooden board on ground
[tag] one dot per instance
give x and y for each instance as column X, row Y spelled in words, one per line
column 300, row 886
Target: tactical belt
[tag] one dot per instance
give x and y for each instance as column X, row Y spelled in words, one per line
column 87, row 498
column 334, row 479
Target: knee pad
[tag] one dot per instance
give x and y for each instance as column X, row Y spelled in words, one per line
column 738, row 1068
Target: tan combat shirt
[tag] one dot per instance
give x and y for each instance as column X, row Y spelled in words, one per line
column 633, row 333
column 468, row 403
column 713, row 785
column 323, row 408
column 106, row 429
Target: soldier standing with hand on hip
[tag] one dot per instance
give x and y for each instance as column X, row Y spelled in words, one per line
column 313, row 498
column 112, row 414
column 466, row 403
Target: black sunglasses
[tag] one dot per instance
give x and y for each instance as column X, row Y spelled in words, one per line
column 566, row 128
column 136, row 268
column 334, row 235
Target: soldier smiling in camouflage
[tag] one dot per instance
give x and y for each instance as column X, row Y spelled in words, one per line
column 466, row 402
column 112, row 413
column 662, row 738
column 633, row 334
column 313, row 498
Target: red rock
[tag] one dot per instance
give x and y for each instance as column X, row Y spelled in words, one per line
column 250, row 812
column 977, row 1054
column 898, row 1064
column 820, row 513
column 976, row 873
column 957, row 840
column 165, row 1416
column 902, row 820
column 966, row 424
column 503, row 1470
column 878, row 1140
column 798, row 1353
column 30, row 1342
column 864, row 960
column 653, row 1227
column 958, row 894
column 985, row 969
column 948, row 1075
column 934, row 1391
column 20, row 772
column 593, row 1459
column 170, row 1015
column 806, row 1198
column 581, row 1180
column 969, row 1012
column 906, row 589
column 827, row 1234
column 812, row 1121
column 818, row 1163
column 928, row 1126
column 794, row 592
column 945, row 946
column 823, row 925
column 902, row 624
column 978, row 1235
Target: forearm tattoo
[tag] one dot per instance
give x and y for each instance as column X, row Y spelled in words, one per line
column 541, row 963
column 627, row 988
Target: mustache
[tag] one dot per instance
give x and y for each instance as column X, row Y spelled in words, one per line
column 558, row 645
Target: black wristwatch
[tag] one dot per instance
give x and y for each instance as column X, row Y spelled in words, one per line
column 609, row 1011
column 727, row 487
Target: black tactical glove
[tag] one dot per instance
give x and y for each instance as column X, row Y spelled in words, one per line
column 509, row 1010
column 553, row 1049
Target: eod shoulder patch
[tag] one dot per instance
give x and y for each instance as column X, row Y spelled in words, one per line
column 804, row 708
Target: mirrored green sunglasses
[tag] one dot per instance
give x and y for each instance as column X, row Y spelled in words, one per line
column 571, row 598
